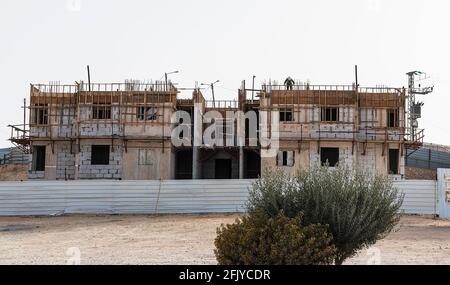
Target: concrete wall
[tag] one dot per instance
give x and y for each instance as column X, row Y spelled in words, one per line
column 65, row 161
column 345, row 153
column 301, row 157
column 151, row 127
column 64, row 126
column 50, row 163
column 67, row 164
column 420, row 173
column 307, row 116
column 160, row 165
column 369, row 161
column 111, row 171
column 208, row 166
column 307, row 155
column 39, row 131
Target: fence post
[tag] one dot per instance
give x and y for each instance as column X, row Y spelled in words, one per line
column 444, row 193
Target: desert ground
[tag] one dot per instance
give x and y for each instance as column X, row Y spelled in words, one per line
column 182, row 239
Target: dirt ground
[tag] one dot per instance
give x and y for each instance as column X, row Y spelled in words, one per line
column 13, row 172
column 182, row 239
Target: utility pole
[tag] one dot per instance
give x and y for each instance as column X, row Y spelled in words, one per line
column 212, row 91
column 253, row 88
column 214, row 98
column 24, row 116
column 415, row 108
column 89, row 78
column 165, row 77
column 356, row 116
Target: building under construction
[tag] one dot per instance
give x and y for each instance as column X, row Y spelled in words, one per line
column 124, row 130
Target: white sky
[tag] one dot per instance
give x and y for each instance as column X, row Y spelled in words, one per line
column 53, row 40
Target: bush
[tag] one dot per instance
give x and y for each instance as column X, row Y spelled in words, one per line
column 257, row 239
column 358, row 208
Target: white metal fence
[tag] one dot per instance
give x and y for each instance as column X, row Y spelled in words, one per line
column 420, row 196
column 122, row 197
column 161, row 197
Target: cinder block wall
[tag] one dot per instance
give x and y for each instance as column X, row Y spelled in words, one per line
column 420, row 173
column 111, row 171
column 65, row 161
column 372, row 161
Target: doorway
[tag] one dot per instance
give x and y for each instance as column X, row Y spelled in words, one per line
column 253, row 164
column 183, row 164
column 393, row 161
column 222, row 169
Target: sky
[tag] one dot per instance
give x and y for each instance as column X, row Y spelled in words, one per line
column 230, row 41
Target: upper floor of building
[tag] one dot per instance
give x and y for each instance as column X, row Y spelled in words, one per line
column 300, row 111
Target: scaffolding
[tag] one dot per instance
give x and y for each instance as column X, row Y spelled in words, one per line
column 69, row 112
column 357, row 116
column 64, row 112
column 139, row 115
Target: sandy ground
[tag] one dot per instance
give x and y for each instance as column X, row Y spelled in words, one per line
column 182, row 240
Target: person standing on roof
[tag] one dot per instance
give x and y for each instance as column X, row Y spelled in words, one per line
column 289, row 83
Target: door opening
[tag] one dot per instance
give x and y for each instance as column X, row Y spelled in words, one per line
column 223, row 169
column 393, row 161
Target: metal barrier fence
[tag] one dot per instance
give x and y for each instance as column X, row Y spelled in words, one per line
column 160, row 197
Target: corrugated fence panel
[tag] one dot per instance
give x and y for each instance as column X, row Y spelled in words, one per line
column 203, row 196
column 58, row 197
column 123, row 197
column 420, row 196
column 162, row 197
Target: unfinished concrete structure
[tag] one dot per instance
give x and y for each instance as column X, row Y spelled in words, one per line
column 123, row 131
column 349, row 125
column 101, row 131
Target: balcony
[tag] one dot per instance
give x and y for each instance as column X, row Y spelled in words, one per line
column 20, row 137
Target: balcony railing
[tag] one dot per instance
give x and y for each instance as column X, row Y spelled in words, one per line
column 156, row 86
column 20, row 137
column 222, row 104
column 54, row 88
column 303, row 87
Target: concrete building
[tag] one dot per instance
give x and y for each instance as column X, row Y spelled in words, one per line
column 131, row 131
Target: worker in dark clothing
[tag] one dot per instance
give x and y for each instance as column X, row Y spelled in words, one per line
column 289, row 83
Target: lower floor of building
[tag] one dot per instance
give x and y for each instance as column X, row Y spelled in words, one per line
column 149, row 160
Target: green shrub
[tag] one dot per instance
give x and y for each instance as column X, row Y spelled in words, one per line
column 358, row 208
column 257, row 239
column 275, row 191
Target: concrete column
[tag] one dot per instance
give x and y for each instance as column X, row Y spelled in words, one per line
column 241, row 162
column 76, row 151
column 195, row 163
column 198, row 139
